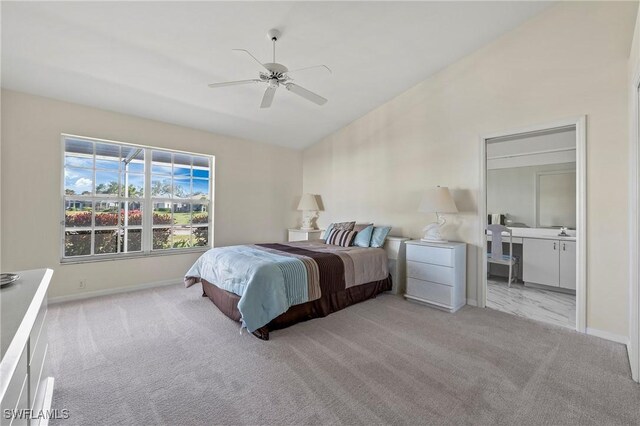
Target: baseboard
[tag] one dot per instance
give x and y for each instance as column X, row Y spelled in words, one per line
column 608, row 336
column 472, row 302
column 109, row 291
column 632, row 362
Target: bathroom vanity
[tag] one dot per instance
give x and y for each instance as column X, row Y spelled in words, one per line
column 545, row 258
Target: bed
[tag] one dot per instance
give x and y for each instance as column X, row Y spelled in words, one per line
column 267, row 287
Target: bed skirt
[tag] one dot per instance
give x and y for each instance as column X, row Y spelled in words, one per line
column 228, row 304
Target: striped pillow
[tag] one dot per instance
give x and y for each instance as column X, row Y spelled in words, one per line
column 338, row 237
column 343, row 226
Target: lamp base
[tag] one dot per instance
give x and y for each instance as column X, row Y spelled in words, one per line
column 307, row 220
column 430, row 240
column 432, row 232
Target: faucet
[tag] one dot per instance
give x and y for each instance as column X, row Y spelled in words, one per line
column 563, row 232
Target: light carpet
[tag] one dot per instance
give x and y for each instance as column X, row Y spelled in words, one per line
column 168, row 356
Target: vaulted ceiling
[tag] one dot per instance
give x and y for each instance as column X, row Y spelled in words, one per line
column 155, row 59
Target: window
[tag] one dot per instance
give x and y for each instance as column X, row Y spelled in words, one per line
column 123, row 200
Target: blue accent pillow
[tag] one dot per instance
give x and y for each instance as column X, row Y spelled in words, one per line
column 363, row 238
column 379, row 235
column 327, row 232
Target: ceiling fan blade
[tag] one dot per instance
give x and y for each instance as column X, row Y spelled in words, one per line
column 301, row 91
column 254, row 58
column 267, row 99
column 233, row 83
column 313, row 66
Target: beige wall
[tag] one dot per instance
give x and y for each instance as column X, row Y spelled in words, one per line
column 634, row 298
column 1, row 227
column 570, row 60
column 634, row 57
column 255, row 189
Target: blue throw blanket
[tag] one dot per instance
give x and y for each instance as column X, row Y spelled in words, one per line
column 267, row 283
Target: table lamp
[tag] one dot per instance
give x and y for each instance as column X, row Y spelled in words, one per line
column 437, row 200
column 309, row 207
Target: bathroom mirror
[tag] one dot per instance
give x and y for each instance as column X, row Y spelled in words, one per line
column 556, row 199
column 531, row 181
column 541, row 196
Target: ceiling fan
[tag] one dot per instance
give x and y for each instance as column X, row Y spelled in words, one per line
column 276, row 75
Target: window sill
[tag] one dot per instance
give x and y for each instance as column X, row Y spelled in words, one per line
column 109, row 258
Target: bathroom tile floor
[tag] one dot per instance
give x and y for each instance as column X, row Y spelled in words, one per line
column 533, row 303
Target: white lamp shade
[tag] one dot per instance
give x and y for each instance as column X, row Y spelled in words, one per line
column 308, row 202
column 438, row 200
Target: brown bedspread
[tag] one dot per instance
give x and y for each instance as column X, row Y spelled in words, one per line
column 328, row 303
column 330, row 266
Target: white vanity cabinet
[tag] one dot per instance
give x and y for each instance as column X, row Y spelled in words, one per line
column 568, row 264
column 541, row 261
column 550, row 262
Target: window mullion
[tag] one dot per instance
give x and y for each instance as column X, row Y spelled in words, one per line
column 147, row 213
column 119, row 235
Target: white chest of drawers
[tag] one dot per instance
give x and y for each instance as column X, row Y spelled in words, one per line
column 25, row 381
column 436, row 274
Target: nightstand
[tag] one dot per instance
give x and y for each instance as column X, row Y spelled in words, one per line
column 437, row 274
column 296, row 234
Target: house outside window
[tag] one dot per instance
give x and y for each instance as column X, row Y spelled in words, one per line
column 122, row 200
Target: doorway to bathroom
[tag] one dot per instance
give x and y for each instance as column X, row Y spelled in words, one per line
column 533, row 232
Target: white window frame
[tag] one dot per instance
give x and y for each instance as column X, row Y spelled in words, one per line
column 146, row 202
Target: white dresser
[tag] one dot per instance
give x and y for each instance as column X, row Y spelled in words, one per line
column 436, row 274
column 25, row 381
column 296, row 234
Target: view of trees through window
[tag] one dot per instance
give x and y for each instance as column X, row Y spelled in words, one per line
column 122, row 199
